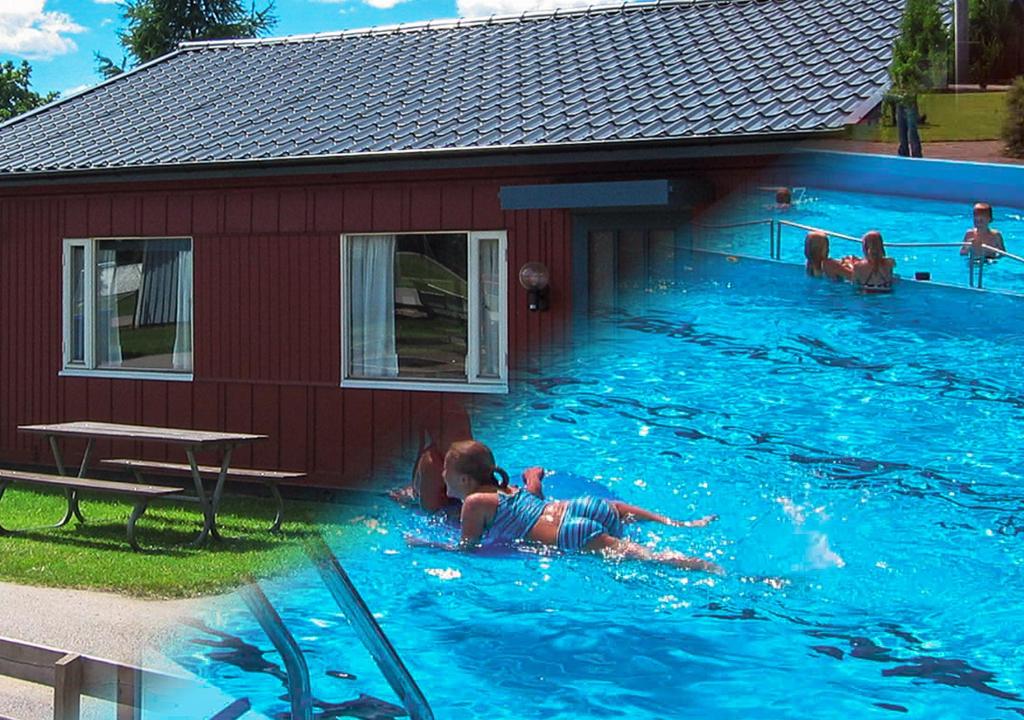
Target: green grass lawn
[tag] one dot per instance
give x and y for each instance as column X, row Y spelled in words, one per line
column 95, row 555
column 949, row 117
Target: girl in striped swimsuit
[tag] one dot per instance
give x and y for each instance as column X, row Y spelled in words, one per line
column 493, row 509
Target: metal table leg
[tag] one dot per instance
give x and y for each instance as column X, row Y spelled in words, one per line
column 204, row 503
column 137, row 512
column 218, row 489
column 73, row 508
column 4, row 484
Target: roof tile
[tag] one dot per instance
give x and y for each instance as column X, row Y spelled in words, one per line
column 675, row 69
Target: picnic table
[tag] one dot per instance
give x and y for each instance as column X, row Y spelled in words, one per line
column 191, row 441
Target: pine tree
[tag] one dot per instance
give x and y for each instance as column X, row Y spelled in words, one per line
column 16, row 94
column 155, row 27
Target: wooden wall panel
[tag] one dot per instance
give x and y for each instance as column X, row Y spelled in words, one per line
column 266, row 259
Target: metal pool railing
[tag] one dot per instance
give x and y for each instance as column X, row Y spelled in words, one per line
column 358, row 614
column 975, row 265
column 979, row 263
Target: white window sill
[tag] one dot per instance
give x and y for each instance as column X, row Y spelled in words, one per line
column 127, row 374
column 495, row 388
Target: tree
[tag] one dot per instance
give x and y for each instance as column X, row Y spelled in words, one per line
column 16, row 94
column 919, row 53
column 989, row 20
column 155, row 27
column 1013, row 128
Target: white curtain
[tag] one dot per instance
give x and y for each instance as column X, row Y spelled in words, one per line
column 371, row 296
column 108, row 332
column 490, row 308
column 183, row 319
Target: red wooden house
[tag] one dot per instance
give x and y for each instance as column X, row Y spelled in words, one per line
column 319, row 238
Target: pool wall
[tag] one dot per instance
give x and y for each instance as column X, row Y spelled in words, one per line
column 967, row 182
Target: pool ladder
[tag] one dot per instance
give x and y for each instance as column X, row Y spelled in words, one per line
column 351, row 603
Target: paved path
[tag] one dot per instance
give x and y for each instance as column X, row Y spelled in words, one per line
column 104, row 625
column 988, row 151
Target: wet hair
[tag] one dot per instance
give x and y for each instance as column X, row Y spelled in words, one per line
column 476, row 460
column 816, row 246
column 783, row 196
column 874, row 248
column 984, row 207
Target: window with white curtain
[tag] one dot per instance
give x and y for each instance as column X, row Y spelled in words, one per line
column 128, row 306
column 425, row 311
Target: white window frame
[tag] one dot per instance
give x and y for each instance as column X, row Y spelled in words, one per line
column 88, row 368
column 474, row 383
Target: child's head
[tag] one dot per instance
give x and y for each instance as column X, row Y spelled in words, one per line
column 816, row 247
column 783, row 196
column 874, row 249
column 469, row 464
column 982, row 214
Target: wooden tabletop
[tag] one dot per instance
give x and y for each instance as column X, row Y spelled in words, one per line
column 176, row 436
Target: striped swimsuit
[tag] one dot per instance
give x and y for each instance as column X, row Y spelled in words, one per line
column 585, row 518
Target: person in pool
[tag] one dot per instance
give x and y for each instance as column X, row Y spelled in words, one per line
column 981, row 235
column 819, row 264
column 501, row 512
column 874, row 272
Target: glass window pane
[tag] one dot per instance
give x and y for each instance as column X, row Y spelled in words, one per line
column 490, row 308
column 431, row 306
column 144, row 304
column 76, row 343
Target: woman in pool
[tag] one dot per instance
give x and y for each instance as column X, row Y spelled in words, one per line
column 874, row 272
column 493, row 509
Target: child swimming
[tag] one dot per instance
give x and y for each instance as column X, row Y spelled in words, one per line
column 500, row 512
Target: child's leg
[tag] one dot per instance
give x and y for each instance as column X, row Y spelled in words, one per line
column 620, row 549
column 632, row 513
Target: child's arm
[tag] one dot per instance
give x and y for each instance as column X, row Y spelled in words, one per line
column 968, row 240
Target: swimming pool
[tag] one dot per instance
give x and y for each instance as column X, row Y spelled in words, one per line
column 900, row 220
column 864, row 449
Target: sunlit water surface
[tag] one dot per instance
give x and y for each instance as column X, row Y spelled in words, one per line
column 863, row 453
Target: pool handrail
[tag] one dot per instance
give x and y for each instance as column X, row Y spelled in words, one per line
column 358, row 614
column 1003, row 253
column 297, row 671
column 775, row 242
column 774, row 237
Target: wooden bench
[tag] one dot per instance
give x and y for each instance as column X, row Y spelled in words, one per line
column 267, row 478
column 142, row 494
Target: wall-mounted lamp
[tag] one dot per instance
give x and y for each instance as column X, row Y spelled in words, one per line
column 534, row 277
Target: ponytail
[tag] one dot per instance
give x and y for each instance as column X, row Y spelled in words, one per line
column 500, row 478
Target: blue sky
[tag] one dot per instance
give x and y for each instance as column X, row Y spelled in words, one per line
column 59, row 37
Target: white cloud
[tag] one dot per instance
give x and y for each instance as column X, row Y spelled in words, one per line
column 384, row 4
column 28, row 30
column 485, row 8
column 106, row 2
column 74, row 90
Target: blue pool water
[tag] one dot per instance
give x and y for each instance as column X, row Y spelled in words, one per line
column 864, row 454
column 900, row 220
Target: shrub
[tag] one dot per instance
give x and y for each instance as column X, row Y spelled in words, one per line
column 1013, row 128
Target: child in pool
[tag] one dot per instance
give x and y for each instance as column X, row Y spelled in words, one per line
column 874, row 272
column 981, row 234
column 493, row 508
column 819, row 264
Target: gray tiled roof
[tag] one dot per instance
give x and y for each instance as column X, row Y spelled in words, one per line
column 670, row 71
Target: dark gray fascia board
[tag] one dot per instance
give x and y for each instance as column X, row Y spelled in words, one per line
column 411, row 162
